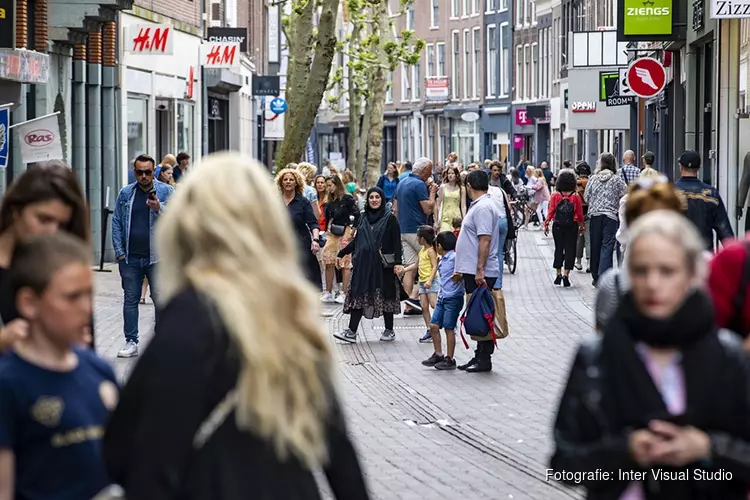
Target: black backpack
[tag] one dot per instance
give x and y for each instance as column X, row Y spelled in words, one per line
column 565, row 212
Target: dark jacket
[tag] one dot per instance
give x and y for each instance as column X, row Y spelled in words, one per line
column 189, row 367
column 338, row 212
column 706, row 209
column 303, row 220
column 586, row 438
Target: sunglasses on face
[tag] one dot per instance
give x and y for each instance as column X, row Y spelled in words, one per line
column 147, row 173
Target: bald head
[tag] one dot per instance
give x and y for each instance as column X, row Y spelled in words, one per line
column 628, row 157
column 169, row 160
column 422, row 168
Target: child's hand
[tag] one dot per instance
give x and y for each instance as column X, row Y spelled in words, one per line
column 428, row 284
column 457, row 277
column 16, row 330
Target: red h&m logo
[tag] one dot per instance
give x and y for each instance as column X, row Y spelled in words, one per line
column 220, row 55
column 152, row 39
column 190, row 82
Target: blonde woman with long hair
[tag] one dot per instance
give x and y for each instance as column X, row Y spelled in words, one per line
column 235, row 397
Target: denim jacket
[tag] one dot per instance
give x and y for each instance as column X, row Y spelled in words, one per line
column 121, row 217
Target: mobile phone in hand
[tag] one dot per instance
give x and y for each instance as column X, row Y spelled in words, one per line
column 152, row 194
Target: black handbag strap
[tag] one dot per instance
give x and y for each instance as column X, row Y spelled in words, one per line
column 737, row 324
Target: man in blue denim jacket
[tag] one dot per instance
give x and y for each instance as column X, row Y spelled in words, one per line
column 136, row 211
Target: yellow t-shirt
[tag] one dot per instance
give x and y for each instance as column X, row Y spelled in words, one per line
column 425, row 266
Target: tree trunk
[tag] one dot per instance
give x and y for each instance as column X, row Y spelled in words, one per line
column 315, row 79
column 364, row 136
column 355, row 112
column 300, row 41
column 379, row 86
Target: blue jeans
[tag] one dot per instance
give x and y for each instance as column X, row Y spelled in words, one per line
column 502, row 234
column 603, row 231
column 132, row 274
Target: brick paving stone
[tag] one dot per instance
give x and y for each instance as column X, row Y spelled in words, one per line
column 422, row 434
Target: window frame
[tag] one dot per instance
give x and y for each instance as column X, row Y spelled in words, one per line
column 518, row 87
column 526, row 72
column 465, row 62
column 455, row 9
column 440, row 66
column 491, row 81
column 476, row 57
column 504, row 63
column 405, row 84
column 430, row 57
column 416, row 90
column 455, row 69
column 434, row 14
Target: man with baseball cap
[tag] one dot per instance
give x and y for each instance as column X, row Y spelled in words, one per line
column 704, row 205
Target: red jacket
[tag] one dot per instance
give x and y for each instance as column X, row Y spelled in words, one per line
column 727, row 270
column 577, row 206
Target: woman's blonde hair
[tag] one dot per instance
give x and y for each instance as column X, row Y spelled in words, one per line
column 228, row 234
column 649, row 173
column 652, row 193
column 298, row 179
column 538, row 173
column 677, row 228
column 347, row 176
column 308, row 170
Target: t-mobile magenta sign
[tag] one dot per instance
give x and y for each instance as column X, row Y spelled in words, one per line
column 522, row 119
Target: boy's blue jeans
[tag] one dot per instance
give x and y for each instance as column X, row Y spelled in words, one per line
column 132, row 274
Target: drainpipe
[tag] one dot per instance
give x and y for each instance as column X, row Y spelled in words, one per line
column 19, row 113
column 94, row 135
column 109, row 156
column 79, row 114
column 41, row 35
column 204, row 89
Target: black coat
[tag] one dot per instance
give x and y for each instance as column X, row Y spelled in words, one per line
column 188, row 368
column 587, row 437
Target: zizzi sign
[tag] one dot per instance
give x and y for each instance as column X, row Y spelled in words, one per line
column 730, row 9
column 583, row 107
column 647, row 17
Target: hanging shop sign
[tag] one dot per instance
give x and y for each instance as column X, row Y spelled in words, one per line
column 646, row 77
column 519, row 141
column 613, row 88
column 24, row 66
column 266, row 85
column 583, row 107
column 217, row 55
column 39, row 139
column 4, row 139
column 7, row 24
column 730, row 9
column 278, row 106
column 229, row 35
column 647, row 17
column 522, row 118
column 151, row 39
column 436, row 89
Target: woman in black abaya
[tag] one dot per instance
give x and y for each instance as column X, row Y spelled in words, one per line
column 374, row 287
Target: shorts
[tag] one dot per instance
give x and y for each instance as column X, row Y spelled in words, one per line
column 410, row 248
column 470, row 283
column 434, row 289
column 447, row 311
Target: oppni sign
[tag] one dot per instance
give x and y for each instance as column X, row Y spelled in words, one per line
column 229, row 35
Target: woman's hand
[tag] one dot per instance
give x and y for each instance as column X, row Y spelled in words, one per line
column 678, row 445
column 546, row 228
column 16, row 330
column 398, row 270
column 315, row 247
column 640, row 444
column 582, row 228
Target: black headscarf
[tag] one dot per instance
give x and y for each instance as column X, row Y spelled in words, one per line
column 367, row 277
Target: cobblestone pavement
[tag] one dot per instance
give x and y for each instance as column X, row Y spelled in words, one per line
column 423, row 434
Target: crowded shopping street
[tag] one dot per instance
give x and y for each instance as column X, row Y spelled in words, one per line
column 421, row 433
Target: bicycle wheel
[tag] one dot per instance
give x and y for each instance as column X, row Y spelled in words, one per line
column 518, row 216
column 511, row 257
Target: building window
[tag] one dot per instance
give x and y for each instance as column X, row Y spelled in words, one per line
column 416, row 81
column 456, row 82
column 137, row 127
column 491, row 60
column 389, row 88
column 419, row 129
column 503, row 41
column 542, row 85
column 490, row 6
column 519, row 73
column 534, row 71
column 466, row 8
column 519, row 12
column 455, row 8
column 410, row 17
column 406, row 139
column 467, row 58
column 532, row 12
column 185, row 128
column 475, row 7
column 405, row 86
column 431, row 60
column 435, row 14
column 526, row 12
column 441, row 59
column 526, row 72
column 430, row 150
column 503, row 5
column 476, row 46
column 443, row 137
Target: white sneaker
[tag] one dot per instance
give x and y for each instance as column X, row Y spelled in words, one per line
column 340, row 298
column 129, row 351
column 327, row 297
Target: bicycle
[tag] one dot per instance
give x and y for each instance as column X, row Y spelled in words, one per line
column 510, row 255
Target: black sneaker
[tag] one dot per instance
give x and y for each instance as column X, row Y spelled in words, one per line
column 426, row 338
column 446, row 364
column 593, row 283
column 578, row 266
column 558, row 279
column 433, row 360
column 347, row 336
column 566, row 281
column 588, row 270
column 412, row 312
column 468, row 364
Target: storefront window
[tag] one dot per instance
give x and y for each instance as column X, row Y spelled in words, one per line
column 443, row 142
column 465, row 141
column 185, row 130
column 137, row 127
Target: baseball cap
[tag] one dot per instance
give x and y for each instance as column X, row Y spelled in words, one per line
column 649, row 157
column 690, row 159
